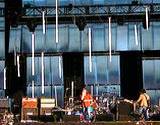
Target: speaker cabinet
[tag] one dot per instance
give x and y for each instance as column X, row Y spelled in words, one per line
column 124, row 111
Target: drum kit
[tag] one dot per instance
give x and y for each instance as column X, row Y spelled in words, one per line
column 106, row 103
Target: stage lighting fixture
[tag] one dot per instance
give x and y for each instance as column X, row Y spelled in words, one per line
column 120, row 21
column 81, row 23
column 31, row 25
column 134, row 2
column 13, row 11
column 70, row 7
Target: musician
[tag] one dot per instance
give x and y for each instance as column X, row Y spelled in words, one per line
column 143, row 102
column 87, row 101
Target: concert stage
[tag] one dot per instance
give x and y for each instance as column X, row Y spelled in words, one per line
column 94, row 123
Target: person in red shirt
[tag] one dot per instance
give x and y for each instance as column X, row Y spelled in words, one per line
column 87, row 101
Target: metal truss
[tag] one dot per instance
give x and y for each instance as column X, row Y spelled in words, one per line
column 92, row 13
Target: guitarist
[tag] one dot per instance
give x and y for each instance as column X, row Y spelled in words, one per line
column 144, row 103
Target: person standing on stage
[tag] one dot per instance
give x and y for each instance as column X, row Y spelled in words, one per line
column 87, row 101
column 144, row 103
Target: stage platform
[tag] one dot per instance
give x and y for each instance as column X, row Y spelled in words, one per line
column 94, row 123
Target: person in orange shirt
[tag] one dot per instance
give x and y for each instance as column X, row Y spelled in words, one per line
column 87, row 105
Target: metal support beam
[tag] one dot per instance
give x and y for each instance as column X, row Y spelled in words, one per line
column 92, row 13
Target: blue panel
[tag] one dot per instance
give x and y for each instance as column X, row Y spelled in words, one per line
column 47, row 91
column 26, row 40
column 156, row 40
column 2, row 65
column 2, row 45
column 103, row 71
column 63, row 38
column 2, row 22
column 47, row 71
column 157, row 74
column 60, row 95
column 39, row 40
column 50, row 42
column 15, row 39
column 149, row 74
column 113, row 35
column 90, row 77
column 98, row 41
column 114, row 70
column 29, row 91
column 56, row 78
column 132, row 41
column 37, row 76
column 122, row 37
column 101, row 67
column 84, row 39
column 154, row 95
column 51, row 66
column 156, row 1
column 147, row 37
column 74, row 39
column 37, row 90
column 112, row 90
column 29, row 70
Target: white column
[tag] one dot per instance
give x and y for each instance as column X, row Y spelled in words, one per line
column 43, row 22
column 18, row 66
column 97, row 90
column 60, row 68
column 32, row 88
column 56, row 21
column 33, row 72
column 92, row 90
column 33, row 42
column 147, row 26
column 90, row 50
column 55, row 90
column 110, row 40
column 4, row 85
column 136, row 34
column 42, row 75
column 72, row 93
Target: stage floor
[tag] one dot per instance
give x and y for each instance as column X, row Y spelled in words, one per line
column 94, row 123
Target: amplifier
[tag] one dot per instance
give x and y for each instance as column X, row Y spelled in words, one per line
column 124, row 110
column 29, row 103
column 46, row 106
column 5, row 103
column 29, row 114
column 47, row 103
